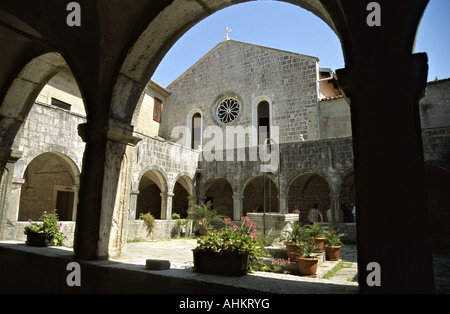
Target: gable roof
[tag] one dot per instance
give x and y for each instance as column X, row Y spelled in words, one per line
column 234, row 42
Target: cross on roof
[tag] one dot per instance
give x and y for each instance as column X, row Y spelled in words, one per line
column 227, row 30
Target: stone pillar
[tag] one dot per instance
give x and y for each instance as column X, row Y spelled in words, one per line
column 133, row 204
column 283, row 204
column 238, row 206
column 192, row 201
column 336, row 213
column 104, row 190
column 384, row 82
column 166, row 205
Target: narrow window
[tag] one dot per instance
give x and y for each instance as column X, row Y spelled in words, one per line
column 196, row 131
column 157, row 109
column 263, row 122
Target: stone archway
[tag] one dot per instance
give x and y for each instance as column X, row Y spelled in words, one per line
column 220, row 192
column 257, row 189
column 308, row 189
column 152, row 189
column 51, row 182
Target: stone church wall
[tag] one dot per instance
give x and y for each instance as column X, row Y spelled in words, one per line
column 249, row 73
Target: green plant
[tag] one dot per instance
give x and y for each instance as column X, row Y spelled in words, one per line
column 306, row 249
column 48, row 224
column 333, row 238
column 296, row 234
column 204, row 215
column 315, row 230
column 149, row 221
column 179, row 223
column 235, row 239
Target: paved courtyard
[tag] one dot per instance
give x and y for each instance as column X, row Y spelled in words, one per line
column 179, row 253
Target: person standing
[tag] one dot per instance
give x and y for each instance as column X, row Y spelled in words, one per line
column 314, row 215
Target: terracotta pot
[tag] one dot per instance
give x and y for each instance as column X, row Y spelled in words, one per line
column 307, row 266
column 204, row 231
column 290, row 249
column 319, row 242
column 332, row 253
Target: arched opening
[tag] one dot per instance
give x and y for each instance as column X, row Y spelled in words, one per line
column 437, row 184
column 348, row 198
column 196, row 130
column 151, row 186
column 306, row 190
column 182, row 190
column 257, row 189
column 51, row 182
column 220, row 192
column 263, row 122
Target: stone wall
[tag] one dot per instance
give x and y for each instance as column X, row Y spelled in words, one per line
column 250, row 74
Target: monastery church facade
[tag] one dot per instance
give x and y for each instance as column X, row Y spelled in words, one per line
column 213, row 134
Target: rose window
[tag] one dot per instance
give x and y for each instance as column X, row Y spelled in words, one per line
column 228, row 110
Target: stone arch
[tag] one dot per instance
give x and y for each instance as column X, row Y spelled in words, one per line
column 306, row 189
column 158, row 37
column 219, row 191
column 189, row 125
column 255, row 104
column 23, row 91
column 183, row 194
column 51, row 181
column 152, row 188
column 347, row 196
column 253, row 192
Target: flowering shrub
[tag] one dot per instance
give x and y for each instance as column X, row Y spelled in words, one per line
column 149, row 221
column 50, row 225
column 235, row 239
column 278, row 265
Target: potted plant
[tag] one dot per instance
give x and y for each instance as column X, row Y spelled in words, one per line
column 293, row 239
column 332, row 244
column 307, row 261
column 45, row 232
column 230, row 251
column 180, row 224
column 149, row 221
column 316, row 234
column 204, row 215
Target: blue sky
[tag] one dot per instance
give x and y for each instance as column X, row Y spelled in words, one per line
column 284, row 26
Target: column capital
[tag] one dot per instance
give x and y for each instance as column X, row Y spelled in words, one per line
column 116, row 131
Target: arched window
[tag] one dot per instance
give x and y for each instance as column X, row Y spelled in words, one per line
column 263, row 122
column 196, row 130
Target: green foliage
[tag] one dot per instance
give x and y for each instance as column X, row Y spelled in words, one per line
column 204, row 215
column 235, row 239
column 149, row 221
column 315, row 230
column 179, row 223
column 48, row 224
column 306, row 249
column 297, row 234
column 333, row 238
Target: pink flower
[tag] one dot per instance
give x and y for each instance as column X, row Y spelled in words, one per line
column 227, row 220
column 253, row 235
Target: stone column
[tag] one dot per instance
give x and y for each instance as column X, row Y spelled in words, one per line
column 166, row 205
column 104, row 190
column 192, row 200
column 384, row 82
column 238, row 206
column 133, row 204
column 336, row 213
column 283, row 203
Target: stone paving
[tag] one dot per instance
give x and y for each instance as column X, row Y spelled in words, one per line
column 179, row 253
